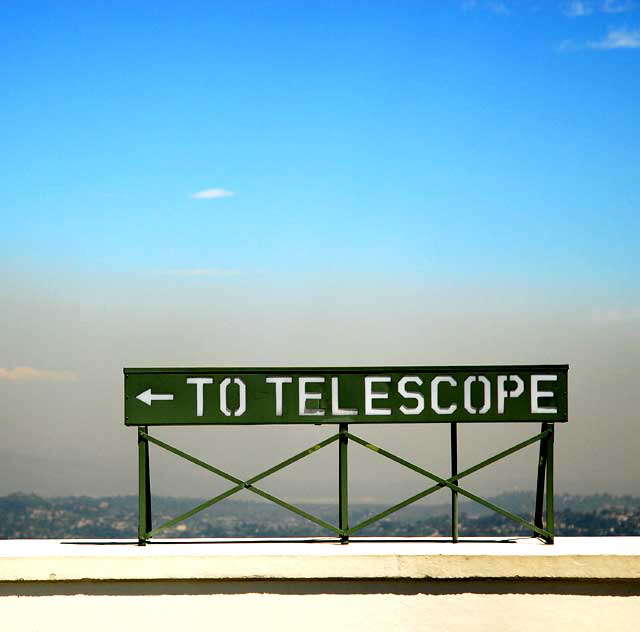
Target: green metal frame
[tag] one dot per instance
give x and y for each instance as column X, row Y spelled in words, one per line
column 543, row 529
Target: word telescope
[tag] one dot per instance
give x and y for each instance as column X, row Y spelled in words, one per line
column 237, row 396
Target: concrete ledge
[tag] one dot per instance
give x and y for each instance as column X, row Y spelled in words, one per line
column 588, row 584
column 611, row 559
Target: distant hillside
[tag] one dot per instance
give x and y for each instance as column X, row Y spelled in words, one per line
column 31, row 516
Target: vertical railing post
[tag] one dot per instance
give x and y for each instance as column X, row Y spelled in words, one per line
column 343, row 489
column 144, row 488
column 454, row 472
column 549, row 512
column 542, row 467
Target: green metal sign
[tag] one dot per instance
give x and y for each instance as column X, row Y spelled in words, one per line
column 239, row 396
column 170, row 397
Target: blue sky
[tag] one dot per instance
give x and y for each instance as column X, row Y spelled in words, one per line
column 416, row 140
column 409, row 183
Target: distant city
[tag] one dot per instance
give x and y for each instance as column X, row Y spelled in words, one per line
column 30, row 516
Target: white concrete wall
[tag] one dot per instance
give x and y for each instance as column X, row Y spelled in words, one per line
column 585, row 584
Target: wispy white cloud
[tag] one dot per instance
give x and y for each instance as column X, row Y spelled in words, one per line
column 582, row 8
column 566, row 46
column 494, row 6
column 28, row 373
column 211, row 194
column 616, row 315
column 615, row 6
column 578, row 9
column 204, row 272
column 618, row 38
column 615, row 39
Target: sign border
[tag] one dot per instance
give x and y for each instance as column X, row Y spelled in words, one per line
column 338, row 370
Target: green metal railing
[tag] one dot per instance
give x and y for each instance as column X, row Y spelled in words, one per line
column 542, row 526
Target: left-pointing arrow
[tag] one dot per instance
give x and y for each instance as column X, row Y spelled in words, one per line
column 147, row 397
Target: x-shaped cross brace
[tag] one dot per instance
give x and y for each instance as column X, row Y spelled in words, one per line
column 440, row 483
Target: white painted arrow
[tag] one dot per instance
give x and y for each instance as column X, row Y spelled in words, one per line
column 147, row 397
